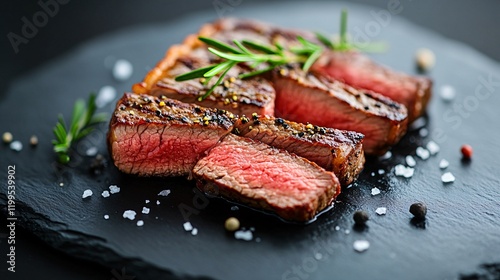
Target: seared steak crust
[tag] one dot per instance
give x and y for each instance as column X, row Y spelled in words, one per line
column 335, row 150
column 151, row 136
column 308, row 98
column 266, row 178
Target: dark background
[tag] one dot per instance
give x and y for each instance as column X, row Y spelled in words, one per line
column 475, row 23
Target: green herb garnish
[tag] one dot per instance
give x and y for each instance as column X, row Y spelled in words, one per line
column 82, row 123
column 254, row 54
column 343, row 44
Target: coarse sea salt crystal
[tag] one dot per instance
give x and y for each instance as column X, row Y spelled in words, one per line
column 129, row 214
column 187, row 226
column 410, row 161
column 447, row 93
column 157, row 202
column 140, row 223
column 106, row 217
column 16, row 146
column 337, row 228
column 105, row 194
column 114, row 189
column 385, row 156
column 423, row 132
column 164, row 193
column 447, row 177
column 372, row 174
column 422, row 153
column 375, row 191
column 443, row 164
column 381, row 171
column 381, row 211
column 145, row 210
column 347, row 231
column 235, row 208
column 105, row 96
column 122, row 70
column 432, row 147
column 87, row 193
column 246, row 235
column 318, row 256
column 194, row 231
column 361, row 245
column 418, row 123
column 403, row 171
column 90, row 152
column 147, row 201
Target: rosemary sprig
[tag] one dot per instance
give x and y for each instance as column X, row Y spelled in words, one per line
column 343, row 44
column 82, row 123
column 255, row 55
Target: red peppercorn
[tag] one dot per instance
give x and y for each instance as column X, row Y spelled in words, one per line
column 466, row 151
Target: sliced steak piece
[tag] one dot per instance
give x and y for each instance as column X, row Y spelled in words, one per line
column 352, row 68
column 359, row 71
column 308, row 98
column 335, row 150
column 150, row 136
column 251, row 172
column 235, row 95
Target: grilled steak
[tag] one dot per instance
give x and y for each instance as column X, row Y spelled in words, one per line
column 335, row 150
column 352, row 68
column 253, row 173
column 307, row 98
column 234, row 95
column 359, row 71
column 153, row 136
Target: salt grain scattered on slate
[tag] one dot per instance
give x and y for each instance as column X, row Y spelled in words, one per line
column 447, row 177
column 347, row 231
column 246, row 235
column 385, row 156
column 140, row 223
column 87, row 193
column 401, row 170
column 447, row 93
column 375, row 191
column 318, row 256
column 433, row 147
column 105, row 194
column 114, row 189
column 235, row 208
column 16, row 146
column 164, row 193
column 194, row 231
column 157, row 202
column 145, row 210
column 372, row 174
column 423, row 132
column 337, row 228
column 422, row 153
column 92, row 151
column 418, row 123
column 187, row 226
column 410, row 161
column 122, row 70
column 381, row 171
column 361, row 245
column 106, row 95
column 129, row 214
column 381, row 211
column 147, row 201
column 443, row 164
column 106, row 217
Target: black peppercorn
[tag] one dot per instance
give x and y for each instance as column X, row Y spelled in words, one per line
column 360, row 217
column 419, row 210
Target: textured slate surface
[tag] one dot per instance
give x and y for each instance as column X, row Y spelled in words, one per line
column 461, row 232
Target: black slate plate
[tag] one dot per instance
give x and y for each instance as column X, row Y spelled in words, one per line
column 461, row 233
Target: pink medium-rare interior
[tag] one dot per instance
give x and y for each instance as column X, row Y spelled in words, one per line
column 150, row 149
